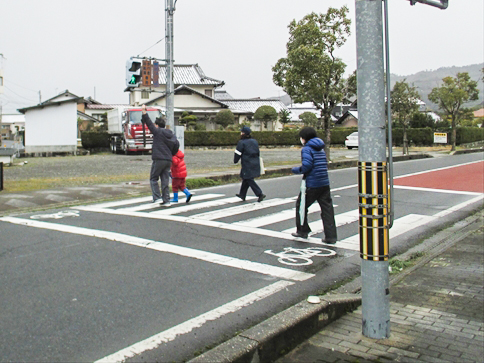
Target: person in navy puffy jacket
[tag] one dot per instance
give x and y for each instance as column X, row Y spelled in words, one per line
column 315, row 171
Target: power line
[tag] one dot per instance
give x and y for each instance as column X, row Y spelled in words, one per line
column 11, row 90
column 151, row 46
column 28, row 89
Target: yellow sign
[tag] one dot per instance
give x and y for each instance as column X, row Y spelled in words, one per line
column 440, row 138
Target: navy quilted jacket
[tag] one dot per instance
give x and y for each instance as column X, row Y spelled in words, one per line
column 314, row 164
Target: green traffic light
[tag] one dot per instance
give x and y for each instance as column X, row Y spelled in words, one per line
column 133, row 80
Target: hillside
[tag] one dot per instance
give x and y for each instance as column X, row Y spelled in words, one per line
column 426, row 80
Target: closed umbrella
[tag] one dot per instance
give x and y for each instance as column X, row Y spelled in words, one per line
column 302, row 205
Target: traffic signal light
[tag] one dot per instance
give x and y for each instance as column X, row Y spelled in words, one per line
column 133, row 73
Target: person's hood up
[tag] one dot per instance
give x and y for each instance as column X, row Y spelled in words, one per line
column 180, row 154
column 315, row 143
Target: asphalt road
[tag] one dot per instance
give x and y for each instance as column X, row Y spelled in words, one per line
column 127, row 279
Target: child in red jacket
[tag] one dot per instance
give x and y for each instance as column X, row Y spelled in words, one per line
column 178, row 176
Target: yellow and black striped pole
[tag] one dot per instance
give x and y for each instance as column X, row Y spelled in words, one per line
column 374, row 211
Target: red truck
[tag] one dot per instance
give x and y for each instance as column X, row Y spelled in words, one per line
column 126, row 129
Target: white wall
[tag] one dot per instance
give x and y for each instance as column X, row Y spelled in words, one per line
column 51, row 129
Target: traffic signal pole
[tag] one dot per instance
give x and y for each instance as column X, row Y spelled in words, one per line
column 170, row 89
column 372, row 171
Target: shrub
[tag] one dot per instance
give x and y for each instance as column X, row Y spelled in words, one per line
column 92, row 140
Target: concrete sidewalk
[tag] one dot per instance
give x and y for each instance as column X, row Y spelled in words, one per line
column 437, row 313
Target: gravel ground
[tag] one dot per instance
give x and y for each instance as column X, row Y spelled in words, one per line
column 198, row 161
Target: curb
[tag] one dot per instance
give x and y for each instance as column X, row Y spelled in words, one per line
column 281, row 333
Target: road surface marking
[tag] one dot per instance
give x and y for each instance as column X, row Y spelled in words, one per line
column 196, row 206
column 152, row 205
column 244, row 208
column 171, row 334
column 214, row 224
column 437, row 169
column 169, row 248
column 421, row 189
column 340, row 220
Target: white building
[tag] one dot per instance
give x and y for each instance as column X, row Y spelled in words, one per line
column 51, row 126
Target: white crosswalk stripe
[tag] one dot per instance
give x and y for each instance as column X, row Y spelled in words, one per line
column 245, row 208
column 196, row 206
column 138, row 207
column 151, row 205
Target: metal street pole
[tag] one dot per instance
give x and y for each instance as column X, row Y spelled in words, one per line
column 372, row 171
column 170, row 96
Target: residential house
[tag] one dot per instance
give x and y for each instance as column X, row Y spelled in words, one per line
column 51, row 126
column 12, row 126
column 244, row 109
column 200, row 95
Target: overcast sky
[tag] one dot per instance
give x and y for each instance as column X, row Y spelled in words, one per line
column 54, row 45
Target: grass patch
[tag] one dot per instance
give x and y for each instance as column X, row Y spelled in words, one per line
column 14, row 186
column 197, row 183
column 397, row 265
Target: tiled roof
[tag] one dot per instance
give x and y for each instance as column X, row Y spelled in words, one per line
column 184, row 87
column 251, row 105
column 92, row 106
column 479, row 113
column 222, row 95
column 189, row 74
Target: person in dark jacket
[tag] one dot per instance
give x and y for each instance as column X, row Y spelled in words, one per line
column 247, row 151
column 315, row 172
column 164, row 143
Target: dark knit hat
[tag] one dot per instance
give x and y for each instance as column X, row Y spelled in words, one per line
column 245, row 130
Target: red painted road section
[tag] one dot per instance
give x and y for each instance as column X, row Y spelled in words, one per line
column 466, row 178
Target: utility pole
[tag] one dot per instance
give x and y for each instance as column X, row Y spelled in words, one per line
column 372, row 171
column 170, row 96
column 376, row 216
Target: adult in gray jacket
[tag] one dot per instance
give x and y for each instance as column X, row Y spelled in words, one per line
column 248, row 152
column 165, row 145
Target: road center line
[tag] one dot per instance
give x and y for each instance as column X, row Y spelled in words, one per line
column 186, row 327
column 215, row 258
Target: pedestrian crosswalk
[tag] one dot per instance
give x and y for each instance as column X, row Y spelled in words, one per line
column 212, row 208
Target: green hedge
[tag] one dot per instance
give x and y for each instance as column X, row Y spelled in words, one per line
column 425, row 137
column 467, row 135
column 418, row 137
column 264, row 138
column 92, row 140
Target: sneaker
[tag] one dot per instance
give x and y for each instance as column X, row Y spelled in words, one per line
column 188, row 198
column 157, row 201
column 241, row 197
column 261, row 198
column 328, row 241
column 167, row 204
column 299, row 235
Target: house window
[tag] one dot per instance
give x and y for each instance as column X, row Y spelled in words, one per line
column 145, row 94
column 208, row 92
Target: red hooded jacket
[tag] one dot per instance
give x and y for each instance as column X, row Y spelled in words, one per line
column 178, row 166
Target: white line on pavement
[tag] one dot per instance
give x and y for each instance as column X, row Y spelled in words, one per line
column 187, row 326
column 169, row 248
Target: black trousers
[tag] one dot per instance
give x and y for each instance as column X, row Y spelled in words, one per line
column 323, row 196
column 246, row 183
